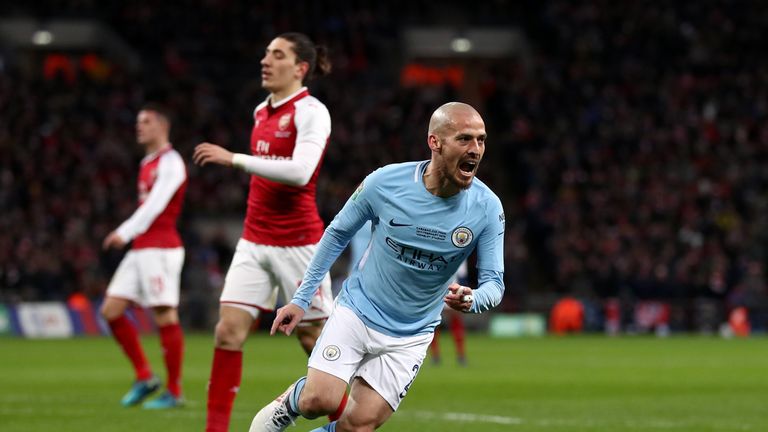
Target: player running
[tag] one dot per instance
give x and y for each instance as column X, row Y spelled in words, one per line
column 427, row 218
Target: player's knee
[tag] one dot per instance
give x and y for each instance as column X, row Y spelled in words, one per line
column 315, row 404
column 229, row 335
column 109, row 313
column 165, row 315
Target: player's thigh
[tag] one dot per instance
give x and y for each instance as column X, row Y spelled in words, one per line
column 341, row 346
column 289, row 265
column 392, row 371
column 160, row 275
column 125, row 282
column 365, row 407
column 249, row 285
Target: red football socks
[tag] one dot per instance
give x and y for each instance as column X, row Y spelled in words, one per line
column 172, row 340
column 336, row 415
column 128, row 338
column 434, row 347
column 457, row 331
column 226, row 372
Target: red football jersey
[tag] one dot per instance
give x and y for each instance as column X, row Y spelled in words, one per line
column 162, row 183
column 280, row 214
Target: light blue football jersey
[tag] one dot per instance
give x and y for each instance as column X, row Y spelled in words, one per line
column 418, row 242
column 358, row 245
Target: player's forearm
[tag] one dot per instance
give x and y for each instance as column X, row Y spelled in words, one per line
column 489, row 291
column 335, row 239
column 133, row 226
column 290, row 171
column 140, row 221
column 330, row 247
column 169, row 179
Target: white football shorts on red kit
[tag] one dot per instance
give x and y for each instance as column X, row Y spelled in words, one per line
column 149, row 277
column 258, row 271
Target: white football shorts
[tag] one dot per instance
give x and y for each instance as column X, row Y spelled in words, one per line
column 347, row 349
column 149, row 277
column 258, row 271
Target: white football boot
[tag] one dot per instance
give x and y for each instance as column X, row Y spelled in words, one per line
column 276, row 416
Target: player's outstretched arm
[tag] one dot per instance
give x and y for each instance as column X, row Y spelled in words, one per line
column 287, row 318
column 206, row 153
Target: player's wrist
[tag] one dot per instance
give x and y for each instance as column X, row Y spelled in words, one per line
column 121, row 234
column 238, row 160
column 301, row 304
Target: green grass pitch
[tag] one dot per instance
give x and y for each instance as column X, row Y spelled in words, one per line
column 589, row 383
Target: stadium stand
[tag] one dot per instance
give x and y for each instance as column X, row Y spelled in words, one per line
column 630, row 144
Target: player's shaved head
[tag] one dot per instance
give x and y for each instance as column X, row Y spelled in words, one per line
column 445, row 117
column 456, row 139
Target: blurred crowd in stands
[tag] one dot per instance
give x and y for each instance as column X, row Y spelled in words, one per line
column 630, row 148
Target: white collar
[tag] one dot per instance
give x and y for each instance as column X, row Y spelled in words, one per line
column 286, row 99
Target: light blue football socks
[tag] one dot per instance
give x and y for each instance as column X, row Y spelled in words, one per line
column 330, row 427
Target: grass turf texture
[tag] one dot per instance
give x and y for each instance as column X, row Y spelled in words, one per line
column 548, row 384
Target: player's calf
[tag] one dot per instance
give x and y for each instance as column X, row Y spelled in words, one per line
column 359, row 420
column 314, row 404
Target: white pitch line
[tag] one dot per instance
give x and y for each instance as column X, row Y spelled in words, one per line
column 650, row 424
column 466, row 417
column 47, row 412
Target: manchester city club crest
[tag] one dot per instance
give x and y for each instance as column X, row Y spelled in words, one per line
column 331, row 352
column 461, row 237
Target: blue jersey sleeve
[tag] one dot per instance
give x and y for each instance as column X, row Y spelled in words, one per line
column 336, row 237
column 490, row 260
column 490, row 290
column 358, row 245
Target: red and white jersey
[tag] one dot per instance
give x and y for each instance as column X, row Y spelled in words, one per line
column 280, row 214
column 162, row 183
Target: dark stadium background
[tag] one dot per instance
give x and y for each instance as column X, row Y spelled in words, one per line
column 628, row 140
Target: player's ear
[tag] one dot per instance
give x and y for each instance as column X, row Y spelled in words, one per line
column 302, row 68
column 434, row 143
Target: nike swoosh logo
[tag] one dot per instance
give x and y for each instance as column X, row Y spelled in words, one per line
column 395, row 224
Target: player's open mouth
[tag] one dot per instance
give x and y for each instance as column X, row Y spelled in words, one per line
column 468, row 167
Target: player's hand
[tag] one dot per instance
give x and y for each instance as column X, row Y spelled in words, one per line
column 456, row 296
column 113, row 240
column 211, row 153
column 287, row 319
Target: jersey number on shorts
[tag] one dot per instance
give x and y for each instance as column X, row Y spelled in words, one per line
column 156, row 284
column 415, row 370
